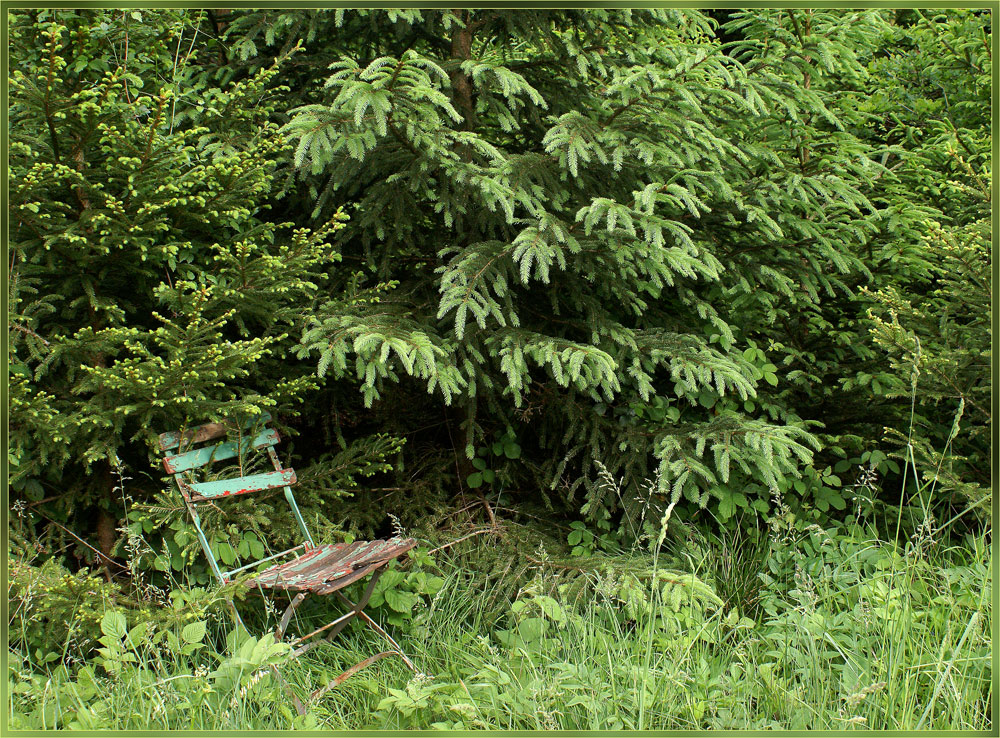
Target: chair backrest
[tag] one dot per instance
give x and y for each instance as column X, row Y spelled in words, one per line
column 182, row 459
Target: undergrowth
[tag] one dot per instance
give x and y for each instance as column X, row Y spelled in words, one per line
column 818, row 628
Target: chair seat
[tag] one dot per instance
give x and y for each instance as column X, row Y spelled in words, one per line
column 327, row 568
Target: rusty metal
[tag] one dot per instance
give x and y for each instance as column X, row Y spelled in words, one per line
column 299, row 707
column 309, row 646
column 340, row 679
column 346, row 580
column 289, row 611
column 355, row 610
column 341, row 621
column 378, row 629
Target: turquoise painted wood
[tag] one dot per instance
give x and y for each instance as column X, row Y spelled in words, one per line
column 219, row 452
column 205, row 432
column 185, row 465
column 244, row 485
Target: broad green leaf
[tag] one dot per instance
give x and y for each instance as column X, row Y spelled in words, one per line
column 114, row 624
column 194, row 632
column 726, row 508
column 400, row 601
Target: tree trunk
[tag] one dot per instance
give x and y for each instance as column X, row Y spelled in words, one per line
column 461, row 50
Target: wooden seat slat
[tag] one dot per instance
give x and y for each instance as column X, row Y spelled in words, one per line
column 320, row 570
column 207, row 432
column 244, row 485
column 330, row 567
column 219, row 452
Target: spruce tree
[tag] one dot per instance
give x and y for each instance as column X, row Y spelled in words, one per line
column 590, row 216
column 150, row 288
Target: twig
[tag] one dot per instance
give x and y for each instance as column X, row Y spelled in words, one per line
column 48, row 93
column 489, row 512
column 463, row 538
column 48, row 499
column 99, row 553
column 458, row 470
column 461, row 510
column 30, row 332
column 173, row 74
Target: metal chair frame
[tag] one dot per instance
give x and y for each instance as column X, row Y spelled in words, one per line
column 317, row 570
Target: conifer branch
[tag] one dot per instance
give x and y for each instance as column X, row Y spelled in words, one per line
column 28, row 331
column 53, row 137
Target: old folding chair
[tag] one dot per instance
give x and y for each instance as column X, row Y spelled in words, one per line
column 315, row 569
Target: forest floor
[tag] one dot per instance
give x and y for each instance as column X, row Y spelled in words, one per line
column 808, row 628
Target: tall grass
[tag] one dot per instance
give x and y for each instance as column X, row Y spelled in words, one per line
column 850, row 632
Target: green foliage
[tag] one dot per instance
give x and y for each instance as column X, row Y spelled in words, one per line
column 120, row 214
column 52, row 607
column 698, row 289
column 937, row 337
column 613, row 204
column 841, row 618
column 631, row 244
column 585, row 542
column 400, row 594
column 151, row 288
column 141, row 657
column 836, row 624
column 59, row 616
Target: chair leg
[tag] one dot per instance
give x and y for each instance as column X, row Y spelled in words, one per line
column 289, row 611
column 356, row 610
column 399, row 649
column 279, row 633
column 347, row 674
column 377, row 628
column 299, row 707
column 237, row 620
column 340, row 623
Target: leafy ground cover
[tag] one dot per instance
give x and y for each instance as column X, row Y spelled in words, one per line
column 820, row 628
